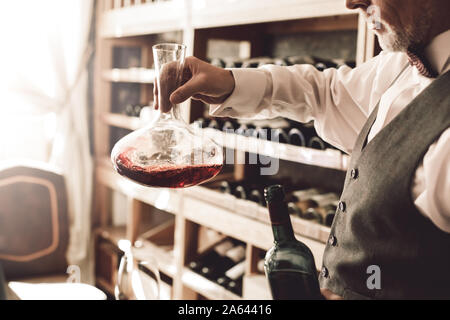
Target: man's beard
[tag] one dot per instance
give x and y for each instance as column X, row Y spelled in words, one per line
column 394, row 40
column 411, row 37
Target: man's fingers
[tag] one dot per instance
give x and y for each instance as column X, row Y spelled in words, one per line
column 155, row 94
column 186, row 91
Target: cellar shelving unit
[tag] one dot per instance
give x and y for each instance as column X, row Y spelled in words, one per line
column 134, row 23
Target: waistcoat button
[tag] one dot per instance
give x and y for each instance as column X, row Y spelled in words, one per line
column 332, row 241
column 324, row 272
column 354, row 174
column 342, row 206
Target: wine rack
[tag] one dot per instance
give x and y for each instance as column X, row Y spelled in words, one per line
column 139, row 24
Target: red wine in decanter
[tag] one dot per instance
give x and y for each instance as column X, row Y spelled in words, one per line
column 165, row 176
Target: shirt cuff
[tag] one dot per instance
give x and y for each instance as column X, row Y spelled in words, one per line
column 249, row 90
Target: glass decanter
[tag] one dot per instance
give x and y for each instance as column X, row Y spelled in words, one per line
column 168, row 152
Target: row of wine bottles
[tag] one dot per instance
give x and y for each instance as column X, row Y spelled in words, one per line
column 320, row 63
column 224, row 264
column 302, row 135
column 134, row 110
column 310, row 204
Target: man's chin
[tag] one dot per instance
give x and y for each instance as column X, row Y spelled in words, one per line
column 389, row 42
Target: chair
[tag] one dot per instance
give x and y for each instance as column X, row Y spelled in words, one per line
column 34, row 231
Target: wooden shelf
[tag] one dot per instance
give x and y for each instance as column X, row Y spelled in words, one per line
column 163, row 255
column 143, row 19
column 206, row 288
column 329, row 158
column 163, row 199
column 121, row 121
column 214, row 13
column 151, row 18
column 217, row 211
column 133, row 75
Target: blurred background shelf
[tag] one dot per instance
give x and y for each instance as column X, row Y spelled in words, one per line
column 153, row 17
column 131, row 75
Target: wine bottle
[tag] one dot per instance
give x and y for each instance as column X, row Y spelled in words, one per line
column 297, row 138
column 214, row 124
column 214, row 269
column 233, row 64
column 202, row 122
column 129, row 110
column 262, row 133
column 240, row 192
column 289, row 264
column 217, row 62
column 211, row 256
column 293, row 60
column 232, row 276
column 236, row 276
column 303, row 199
column 227, row 187
column 246, row 130
column 257, row 197
column 229, row 126
column 316, row 143
column 280, row 136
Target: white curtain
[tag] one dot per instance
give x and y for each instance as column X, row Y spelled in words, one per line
column 43, row 81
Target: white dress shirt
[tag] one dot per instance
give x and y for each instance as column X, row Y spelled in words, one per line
column 340, row 101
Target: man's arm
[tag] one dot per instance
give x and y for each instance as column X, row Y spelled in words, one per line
column 339, row 101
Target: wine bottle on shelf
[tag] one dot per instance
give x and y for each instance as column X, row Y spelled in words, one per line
column 316, row 143
column 279, row 135
column 214, row 269
column 227, row 187
column 229, row 126
column 257, row 197
column 212, row 256
column 241, row 192
column 282, row 62
column 326, row 204
column 234, row 64
column 293, row 60
column 262, row 133
column 303, row 199
column 289, row 264
column 246, row 130
column 129, row 110
column 320, row 66
column 217, row 62
column 296, row 137
column 214, row 124
column 202, row 122
column 232, row 279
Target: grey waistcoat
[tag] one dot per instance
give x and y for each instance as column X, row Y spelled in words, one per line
column 377, row 222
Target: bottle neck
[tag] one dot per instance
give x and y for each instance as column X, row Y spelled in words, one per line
column 283, row 232
column 281, row 222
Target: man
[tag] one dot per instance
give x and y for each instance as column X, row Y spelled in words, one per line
column 392, row 114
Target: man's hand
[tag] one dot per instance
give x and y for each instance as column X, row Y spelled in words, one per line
column 200, row 81
column 328, row 295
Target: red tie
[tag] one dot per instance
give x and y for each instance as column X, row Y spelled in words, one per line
column 421, row 64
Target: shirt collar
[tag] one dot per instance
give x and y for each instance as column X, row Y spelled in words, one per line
column 438, row 52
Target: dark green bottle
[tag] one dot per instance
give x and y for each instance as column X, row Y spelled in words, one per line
column 289, row 264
